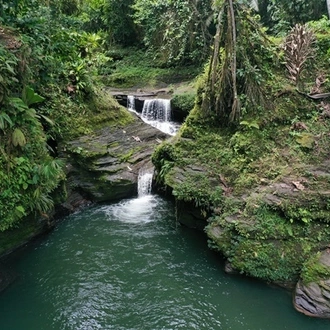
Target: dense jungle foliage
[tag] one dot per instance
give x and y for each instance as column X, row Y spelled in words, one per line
column 253, row 152
column 57, row 56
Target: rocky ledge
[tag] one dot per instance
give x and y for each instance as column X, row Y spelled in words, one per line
column 105, row 166
column 121, row 96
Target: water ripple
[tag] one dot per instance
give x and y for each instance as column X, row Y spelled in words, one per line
column 127, row 266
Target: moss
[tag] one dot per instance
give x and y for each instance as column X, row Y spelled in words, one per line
column 272, row 261
column 75, row 118
column 135, row 68
column 128, row 155
column 24, row 232
column 314, row 271
column 260, row 237
column 185, row 102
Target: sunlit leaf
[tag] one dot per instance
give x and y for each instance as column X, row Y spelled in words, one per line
column 18, row 138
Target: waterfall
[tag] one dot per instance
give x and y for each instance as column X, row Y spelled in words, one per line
column 131, row 103
column 157, row 113
column 145, row 181
column 157, row 109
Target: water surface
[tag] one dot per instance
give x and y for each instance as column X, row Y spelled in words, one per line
column 129, row 266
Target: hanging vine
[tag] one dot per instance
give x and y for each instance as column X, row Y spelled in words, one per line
column 239, row 66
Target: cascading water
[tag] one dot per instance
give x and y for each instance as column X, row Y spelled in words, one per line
column 157, row 113
column 157, row 109
column 140, row 209
column 144, row 182
column 131, row 103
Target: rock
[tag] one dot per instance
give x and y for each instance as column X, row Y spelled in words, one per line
column 229, row 269
column 139, row 97
column 105, row 166
column 178, row 114
column 313, row 298
column 190, row 216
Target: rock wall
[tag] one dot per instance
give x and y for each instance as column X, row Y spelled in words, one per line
column 105, row 166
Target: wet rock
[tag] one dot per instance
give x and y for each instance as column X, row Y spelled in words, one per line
column 190, row 216
column 313, row 298
column 229, row 269
column 105, row 166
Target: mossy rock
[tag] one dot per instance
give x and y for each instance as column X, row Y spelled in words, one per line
column 105, row 164
column 312, row 294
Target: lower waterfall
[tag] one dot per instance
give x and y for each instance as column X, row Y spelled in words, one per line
column 145, row 182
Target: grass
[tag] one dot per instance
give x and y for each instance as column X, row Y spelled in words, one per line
column 134, row 68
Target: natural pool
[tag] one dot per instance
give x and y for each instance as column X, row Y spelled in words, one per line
column 130, row 266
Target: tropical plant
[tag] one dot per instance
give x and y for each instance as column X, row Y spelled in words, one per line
column 238, row 67
column 298, row 48
column 119, row 20
column 280, row 15
column 176, row 31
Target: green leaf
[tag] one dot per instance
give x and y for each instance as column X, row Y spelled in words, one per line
column 48, row 120
column 4, row 120
column 18, row 138
column 18, row 104
column 20, row 209
column 249, row 124
column 30, row 97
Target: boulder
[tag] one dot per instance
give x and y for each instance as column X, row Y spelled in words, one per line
column 312, row 293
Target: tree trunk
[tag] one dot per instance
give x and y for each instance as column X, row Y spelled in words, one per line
column 235, row 106
column 328, row 6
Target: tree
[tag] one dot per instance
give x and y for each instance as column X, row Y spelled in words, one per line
column 176, row 31
column 119, row 20
column 280, row 15
column 237, row 73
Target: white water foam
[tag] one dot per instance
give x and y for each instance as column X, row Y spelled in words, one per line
column 131, row 103
column 157, row 113
column 140, row 209
column 144, row 182
column 134, row 211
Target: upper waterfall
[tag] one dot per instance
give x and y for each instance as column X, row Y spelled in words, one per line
column 131, row 103
column 157, row 109
column 157, row 113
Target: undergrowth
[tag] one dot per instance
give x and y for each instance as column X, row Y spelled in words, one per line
column 135, row 68
column 270, row 172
